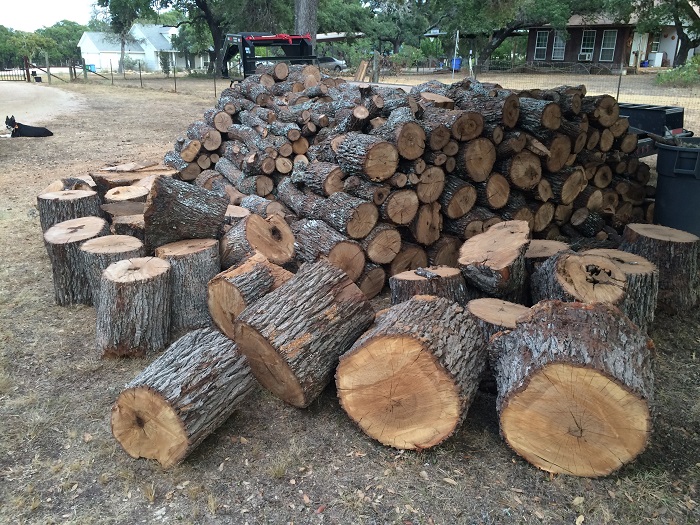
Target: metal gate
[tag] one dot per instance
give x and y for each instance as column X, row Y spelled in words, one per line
column 20, row 72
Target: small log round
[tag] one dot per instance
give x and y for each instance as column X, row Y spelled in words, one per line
column 181, row 398
column 495, row 315
column 444, row 252
column 63, row 205
column 271, row 236
column 410, row 379
column 410, row 257
column 133, row 308
column 127, row 193
column 193, row 263
column 440, row 281
column 372, row 280
column 100, row 252
column 294, row 335
column 70, row 279
column 382, row 244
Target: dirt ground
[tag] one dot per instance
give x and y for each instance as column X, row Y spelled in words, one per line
column 269, row 463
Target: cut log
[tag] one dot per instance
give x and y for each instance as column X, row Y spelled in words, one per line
column 382, row 244
column 99, row 252
column 366, row 190
column 294, row 335
column 372, row 280
column 641, row 287
column 193, row 263
column 409, row 380
column 176, row 210
column 602, row 109
column 675, row 253
column 568, row 276
column 537, row 114
column 430, row 185
column 209, row 137
column 457, row 197
column 270, row 236
column 566, row 184
column 587, row 222
column 349, row 215
column 410, row 257
column 132, row 225
column 540, row 250
column 315, row 240
column 440, row 281
column 494, row 261
column 181, row 398
column 495, row 315
column 262, row 206
column 476, row 221
column 494, row 192
column 574, row 387
column 133, row 308
column 402, row 130
column 63, row 205
column 70, row 279
column 368, row 156
column 427, row 224
column 400, row 207
column 323, row 178
column 475, row 159
column 445, row 251
column 231, row 291
column 127, row 193
column 523, row 170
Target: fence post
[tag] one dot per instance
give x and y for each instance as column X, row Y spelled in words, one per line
column 619, row 81
column 111, row 71
column 140, row 77
column 215, row 85
column 175, row 75
column 48, row 67
column 84, row 69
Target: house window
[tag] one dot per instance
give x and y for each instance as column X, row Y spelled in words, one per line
column 607, row 48
column 588, row 42
column 655, row 41
column 559, row 45
column 541, row 45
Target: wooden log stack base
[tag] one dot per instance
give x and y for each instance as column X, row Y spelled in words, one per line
column 410, row 379
column 63, row 205
column 569, row 276
column 133, row 308
column 440, row 281
column 232, row 290
column 98, row 253
column 676, row 254
column 494, row 261
column 193, row 263
column 294, row 335
column 181, row 398
column 575, row 384
column 70, row 279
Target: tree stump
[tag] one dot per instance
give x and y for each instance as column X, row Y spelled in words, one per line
column 272, row 237
column 232, row 290
column 62, row 241
column 193, row 263
column 181, row 398
column 675, row 253
column 59, row 206
column 641, row 286
column 98, row 253
column 574, row 386
column 440, row 281
column 133, row 307
column 410, row 379
column 494, row 261
column 316, row 239
column 294, row 335
column 569, row 276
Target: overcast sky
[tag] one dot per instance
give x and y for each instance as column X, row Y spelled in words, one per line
column 30, row 15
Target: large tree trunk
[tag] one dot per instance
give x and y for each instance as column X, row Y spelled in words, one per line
column 294, row 335
column 305, row 18
column 181, row 398
column 574, row 386
column 409, row 380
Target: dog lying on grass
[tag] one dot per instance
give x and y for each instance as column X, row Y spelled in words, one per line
column 22, row 130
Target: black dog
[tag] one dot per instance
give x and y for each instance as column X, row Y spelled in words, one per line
column 22, row 130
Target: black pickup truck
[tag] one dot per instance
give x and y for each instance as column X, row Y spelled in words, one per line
column 646, row 119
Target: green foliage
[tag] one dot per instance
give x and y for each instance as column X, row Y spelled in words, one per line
column 66, row 35
column 9, row 54
column 164, row 59
column 683, row 76
column 514, row 45
column 31, row 45
column 432, row 47
column 352, row 51
column 129, row 63
column 408, row 56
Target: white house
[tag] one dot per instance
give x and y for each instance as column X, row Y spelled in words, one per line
column 150, row 42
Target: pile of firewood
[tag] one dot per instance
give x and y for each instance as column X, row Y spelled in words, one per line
column 321, row 192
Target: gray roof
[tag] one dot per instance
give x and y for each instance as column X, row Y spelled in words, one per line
column 106, row 42
column 154, row 34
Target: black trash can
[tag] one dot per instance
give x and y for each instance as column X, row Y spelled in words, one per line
column 678, row 186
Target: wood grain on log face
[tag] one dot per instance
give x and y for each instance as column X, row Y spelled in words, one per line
column 372, row 280
column 63, row 205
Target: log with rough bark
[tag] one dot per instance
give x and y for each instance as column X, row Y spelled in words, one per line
column 402, row 130
column 177, row 210
column 427, row 224
column 98, row 253
column 457, row 197
column 566, row 184
column 476, row 221
column 349, row 215
column 294, row 335
column 182, row 397
column 537, row 114
column 208, row 137
column 132, row 225
column 410, row 257
column 232, row 290
column 495, row 315
column 475, row 159
column 133, row 307
column 315, row 239
column 587, row 222
column 382, row 244
column 367, row 156
column 127, row 194
column 366, row 190
column 193, row 262
column 494, row 192
column 641, row 286
column 503, row 110
column 440, row 281
column 575, row 384
column 430, row 184
column 70, row 278
column 372, row 280
column 63, row 205
column 602, row 109
column 494, row 261
column 409, row 380
column 400, row 207
column 540, row 250
column 324, row 178
column 523, row 170
column 445, row 251
column 569, row 276
column 676, row 254
column 262, row 206
column 270, row 236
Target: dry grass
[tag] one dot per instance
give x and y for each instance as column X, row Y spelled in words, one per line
column 270, row 463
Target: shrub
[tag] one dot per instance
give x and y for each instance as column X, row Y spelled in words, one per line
column 685, row 75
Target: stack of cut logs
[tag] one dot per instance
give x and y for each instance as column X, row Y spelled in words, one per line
column 320, row 192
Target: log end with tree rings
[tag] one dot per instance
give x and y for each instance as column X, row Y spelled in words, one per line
column 62, row 205
column 372, row 280
column 363, row 220
column 127, row 193
column 410, row 142
column 271, row 236
column 575, row 384
column 540, row 250
column 403, row 383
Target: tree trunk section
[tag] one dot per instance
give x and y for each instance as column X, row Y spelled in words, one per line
column 441, row 281
column 367, row 156
column 372, row 280
column 382, row 244
column 59, row 206
column 270, row 236
column 99, row 252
